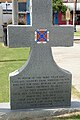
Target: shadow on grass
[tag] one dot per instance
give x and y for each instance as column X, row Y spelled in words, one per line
column 14, row 60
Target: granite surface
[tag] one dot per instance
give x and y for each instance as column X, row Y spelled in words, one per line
column 40, row 82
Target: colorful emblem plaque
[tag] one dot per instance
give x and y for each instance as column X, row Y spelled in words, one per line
column 41, row 35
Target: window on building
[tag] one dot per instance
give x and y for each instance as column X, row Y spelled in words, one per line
column 22, row 6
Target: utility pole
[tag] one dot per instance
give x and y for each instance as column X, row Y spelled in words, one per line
column 15, row 12
column 75, row 8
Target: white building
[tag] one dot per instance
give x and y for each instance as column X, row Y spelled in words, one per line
column 70, row 4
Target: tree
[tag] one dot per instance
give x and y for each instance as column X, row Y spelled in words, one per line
column 59, row 6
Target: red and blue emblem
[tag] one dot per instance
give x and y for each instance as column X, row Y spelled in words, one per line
column 41, row 35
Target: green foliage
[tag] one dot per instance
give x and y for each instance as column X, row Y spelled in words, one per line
column 64, row 8
column 59, row 6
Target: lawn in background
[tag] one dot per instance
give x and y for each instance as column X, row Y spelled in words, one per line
column 77, row 33
column 73, row 116
column 10, row 60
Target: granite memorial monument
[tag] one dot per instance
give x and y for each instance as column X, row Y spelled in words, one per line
column 40, row 82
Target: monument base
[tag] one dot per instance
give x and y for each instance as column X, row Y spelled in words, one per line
column 36, row 114
column 39, row 92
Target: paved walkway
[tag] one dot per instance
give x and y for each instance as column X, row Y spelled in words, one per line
column 69, row 59
column 76, row 37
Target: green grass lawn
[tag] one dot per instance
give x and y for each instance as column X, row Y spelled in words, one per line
column 77, row 33
column 72, row 117
column 10, row 60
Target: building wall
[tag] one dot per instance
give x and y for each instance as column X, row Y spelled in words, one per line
column 62, row 19
column 71, row 1
column 11, row 0
column 7, row 13
column 7, row 18
column 5, row 1
column 70, row 4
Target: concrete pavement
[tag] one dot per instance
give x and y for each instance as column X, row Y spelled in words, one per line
column 69, row 58
column 76, row 37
